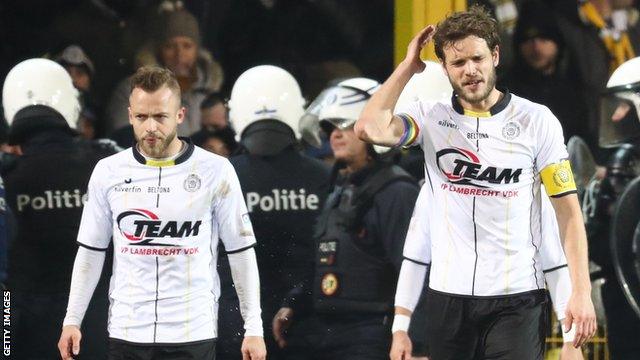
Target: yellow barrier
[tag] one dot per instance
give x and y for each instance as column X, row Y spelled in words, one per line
column 413, row 15
column 595, row 349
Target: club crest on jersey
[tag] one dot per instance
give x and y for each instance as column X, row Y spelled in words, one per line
column 511, row 130
column 463, row 167
column 192, row 183
column 143, row 227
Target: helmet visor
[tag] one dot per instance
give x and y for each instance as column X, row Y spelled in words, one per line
column 619, row 122
column 334, row 105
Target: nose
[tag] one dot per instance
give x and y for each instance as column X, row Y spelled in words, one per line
column 151, row 125
column 470, row 69
column 335, row 134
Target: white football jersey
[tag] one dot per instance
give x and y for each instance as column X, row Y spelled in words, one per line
column 165, row 218
column 483, row 171
column 417, row 245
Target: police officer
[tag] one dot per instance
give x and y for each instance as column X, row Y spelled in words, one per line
column 46, row 188
column 284, row 192
column 344, row 313
column 612, row 213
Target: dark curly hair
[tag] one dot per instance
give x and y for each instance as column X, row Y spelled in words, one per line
column 476, row 21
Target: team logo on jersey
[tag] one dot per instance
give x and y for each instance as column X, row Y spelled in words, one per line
column 329, row 284
column 463, row 167
column 511, row 130
column 192, row 183
column 143, row 227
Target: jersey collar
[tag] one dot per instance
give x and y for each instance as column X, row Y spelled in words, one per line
column 496, row 108
column 162, row 163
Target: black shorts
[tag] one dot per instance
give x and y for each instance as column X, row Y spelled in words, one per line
column 199, row 350
column 505, row 327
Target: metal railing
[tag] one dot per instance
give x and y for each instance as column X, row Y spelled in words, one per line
column 595, row 349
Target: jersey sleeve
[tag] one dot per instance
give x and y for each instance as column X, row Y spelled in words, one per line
column 393, row 206
column 413, row 118
column 552, row 157
column 230, row 213
column 551, row 251
column 96, row 225
column 417, row 244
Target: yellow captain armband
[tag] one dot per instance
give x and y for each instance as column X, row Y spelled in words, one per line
column 558, row 179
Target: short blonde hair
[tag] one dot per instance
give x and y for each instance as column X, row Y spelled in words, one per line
column 152, row 78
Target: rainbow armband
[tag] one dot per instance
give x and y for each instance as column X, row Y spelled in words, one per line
column 411, row 131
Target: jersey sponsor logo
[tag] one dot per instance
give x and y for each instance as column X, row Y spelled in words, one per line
column 143, row 227
column 51, row 199
column 448, row 124
column 477, row 135
column 511, row 130
column 192, row 183
column 282, row 200
column 473, row 191
column 463, row 167
column 245, row 225
column 158, row 189
column 128, row 189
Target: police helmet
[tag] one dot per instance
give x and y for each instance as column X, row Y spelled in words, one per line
column 432, row 84
column 265, row 92
column 620, row 106
column 35, row 89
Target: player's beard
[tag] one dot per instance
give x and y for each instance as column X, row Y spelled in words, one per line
column 475, row 98
column 159, row 148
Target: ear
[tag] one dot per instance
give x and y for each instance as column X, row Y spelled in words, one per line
column 130, row 115
column 180, row 116
column 495, row 54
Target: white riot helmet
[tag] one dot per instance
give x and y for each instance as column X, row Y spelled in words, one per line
column 620, row 106
column 40, row 82
column 430, row 85
column 337, row 106
column 265, row 92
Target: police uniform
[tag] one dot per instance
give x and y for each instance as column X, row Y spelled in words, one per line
column 344, row 313
column 284, row 195
column 46, row 190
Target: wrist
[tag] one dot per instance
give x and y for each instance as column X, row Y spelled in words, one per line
column 253, row 334
column 409, row 66
column 400, row 323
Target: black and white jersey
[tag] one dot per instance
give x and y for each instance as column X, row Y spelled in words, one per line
column 165, row 218
column 484, row 173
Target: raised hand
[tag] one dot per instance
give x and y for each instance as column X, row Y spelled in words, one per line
column 415, row 47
